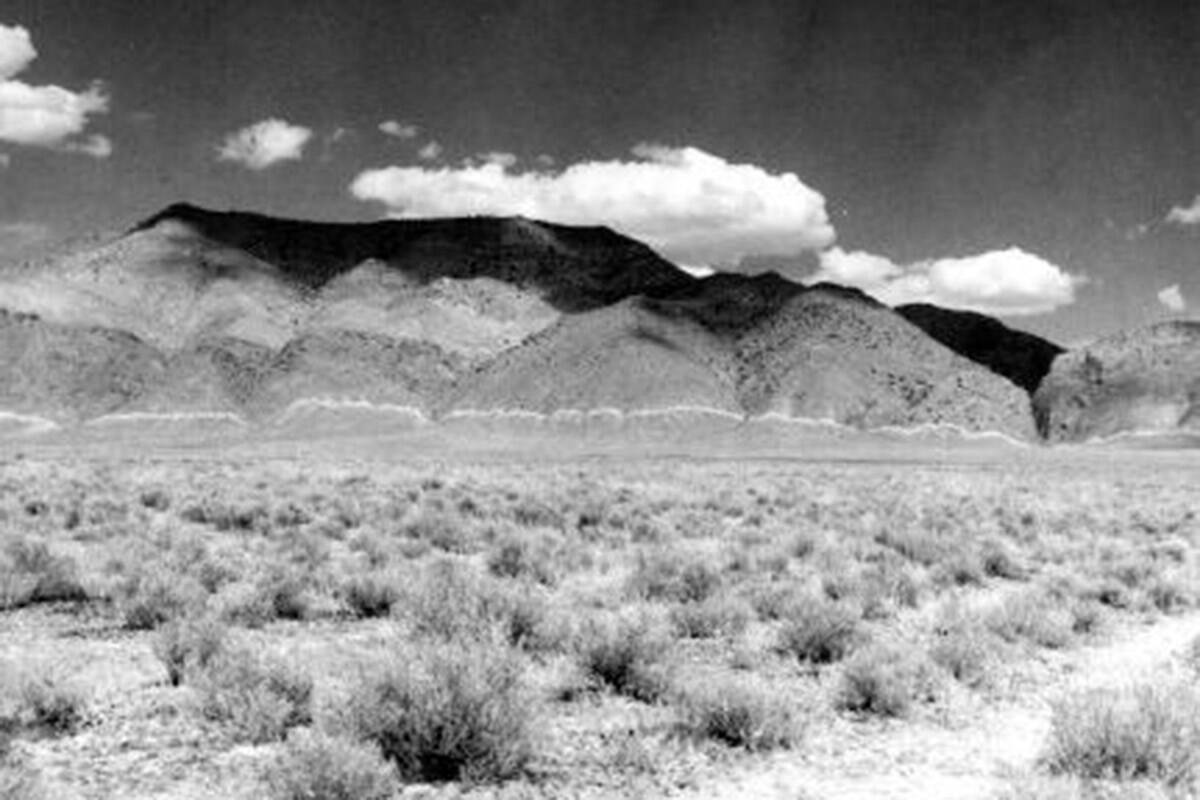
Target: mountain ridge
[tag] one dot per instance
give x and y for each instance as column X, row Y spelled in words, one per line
column 246, row 313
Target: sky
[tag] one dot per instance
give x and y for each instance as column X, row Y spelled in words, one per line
column 1034, row 159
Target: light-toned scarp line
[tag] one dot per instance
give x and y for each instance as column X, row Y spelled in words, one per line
column 29, row 424
column 317, row 404
column 167, row 416
column 949, row 429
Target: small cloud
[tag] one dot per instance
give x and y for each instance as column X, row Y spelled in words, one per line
column 96, row 146
column 5, row 160
column 430, row 152
column 1173, row 299
column 16, row 50
column 42, row 116
column 545, row 160
column 399, row 130
column 505, row 160
column 1185, row 215
column 338, row 135
column 694, row 207
column 1006, row 282
column 265, row 143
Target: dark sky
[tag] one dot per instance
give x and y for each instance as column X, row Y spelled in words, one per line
column 932, row 129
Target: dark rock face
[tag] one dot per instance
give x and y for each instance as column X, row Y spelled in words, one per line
column 1146, row 380
column 576, row 268
column 1021, row 357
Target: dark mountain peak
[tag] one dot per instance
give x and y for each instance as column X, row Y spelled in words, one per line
column 575, row 268
column 1021, row 357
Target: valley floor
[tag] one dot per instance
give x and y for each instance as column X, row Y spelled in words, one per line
column 198, row 625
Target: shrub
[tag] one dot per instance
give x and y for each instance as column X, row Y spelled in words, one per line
column 966, row 653
column 152, row 598
column 446, row 712
column 818, row 631
column 258, row 698
column 155, row 499
column 998, row 561
column 774, row 600
column 716, row 616
column 316, row 766
column 1034, row 616
column 284, row 592
column 885, row 680
column 443, row 531
column 188, row 644
column 627, row 656
column 50, row 706
column 1144, row 732
column 664, row 575
column 370, row 595
column 739, row 712
column 35, row 575
column 518, row 557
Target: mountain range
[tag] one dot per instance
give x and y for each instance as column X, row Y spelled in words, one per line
column 198, row 311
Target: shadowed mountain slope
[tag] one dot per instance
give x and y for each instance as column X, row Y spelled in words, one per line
column 1146, row 380
column 574, row 268
column 1019, row 356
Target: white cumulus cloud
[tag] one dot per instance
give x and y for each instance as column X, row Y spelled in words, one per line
column 399, row 130
column 1185, row 215
column 43, row 116
column 1172, row 297
column 694, row 207
column 1006, row 282
column 430, row 152
column 262, row 144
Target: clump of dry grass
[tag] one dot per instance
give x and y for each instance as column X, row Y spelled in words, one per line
column 370, row 594
column 50, row 706
column 446, row 711
column 963, row 646
column 722, row 615
column 31, row 573
column 188, row 644
column 740, row 712
column 1032, row 615
column 886, row 679
column 1146, row 732
column 317, row 766
column 257, row 697
column 519, row 555
column 668, row 575
column 819, row 631
column 627, row 656
column 157, row 594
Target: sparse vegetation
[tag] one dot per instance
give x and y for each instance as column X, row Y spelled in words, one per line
column 353, row 627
